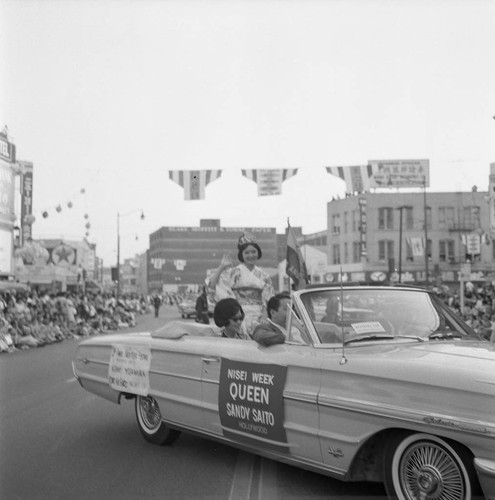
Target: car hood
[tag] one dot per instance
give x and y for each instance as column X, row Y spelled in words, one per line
column 458, row 376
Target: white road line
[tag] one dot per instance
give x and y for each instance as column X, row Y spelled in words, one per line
column 243, row 477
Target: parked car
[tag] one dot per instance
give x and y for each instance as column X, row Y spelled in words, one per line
column 187, row 308
column 372, row 384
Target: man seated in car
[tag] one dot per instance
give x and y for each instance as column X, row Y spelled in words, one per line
column 273, row 331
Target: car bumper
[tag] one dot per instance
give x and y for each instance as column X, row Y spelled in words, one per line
column 486, row 475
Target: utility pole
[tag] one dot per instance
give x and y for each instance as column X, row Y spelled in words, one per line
column 427, row 275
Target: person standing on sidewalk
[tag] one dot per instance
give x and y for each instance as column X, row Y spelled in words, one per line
column 157, row 302
column 202, row 308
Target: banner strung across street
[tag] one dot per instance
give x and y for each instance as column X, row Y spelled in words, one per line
column 194, row 181
column 357, row 178
column 269, row 181
column 383, row 174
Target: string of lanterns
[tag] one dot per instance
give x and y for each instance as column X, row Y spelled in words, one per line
column 30, row 218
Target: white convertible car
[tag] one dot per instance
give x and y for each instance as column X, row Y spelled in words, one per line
column 372, row 384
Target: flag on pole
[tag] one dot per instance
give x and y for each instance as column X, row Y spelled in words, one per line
column 296, row 267
column 194, row 181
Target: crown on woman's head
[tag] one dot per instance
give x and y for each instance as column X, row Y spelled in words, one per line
column 247, row 238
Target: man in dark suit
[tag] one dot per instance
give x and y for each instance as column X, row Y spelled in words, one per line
column 273, row 332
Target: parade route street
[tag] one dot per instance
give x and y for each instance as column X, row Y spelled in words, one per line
column 60, row 442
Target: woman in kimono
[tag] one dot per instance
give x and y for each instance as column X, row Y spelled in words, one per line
column 246, row 282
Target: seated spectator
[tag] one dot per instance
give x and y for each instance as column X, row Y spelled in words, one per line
column 229, row 315
column 273, row 332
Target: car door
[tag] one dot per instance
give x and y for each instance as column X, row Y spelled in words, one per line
column 175, row 382
column 263, row 397
column 345, row 406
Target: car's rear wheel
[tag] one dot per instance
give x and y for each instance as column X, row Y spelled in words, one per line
column 151, row 425
column 422, row 466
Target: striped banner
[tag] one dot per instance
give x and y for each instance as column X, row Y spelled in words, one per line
column 269, row 181
column 194, row 181
column 357, row 178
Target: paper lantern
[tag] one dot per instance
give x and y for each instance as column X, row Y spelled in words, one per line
column 58, row 208
column 45, row 214
column 86, row 216
column 29, row 219
column 88, row 225
column 70, row 204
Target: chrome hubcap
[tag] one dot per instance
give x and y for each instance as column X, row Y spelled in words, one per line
column 150, row 412
column 428, row 480
column 429, row 472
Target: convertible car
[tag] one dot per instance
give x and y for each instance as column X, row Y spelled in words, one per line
column 372, row 384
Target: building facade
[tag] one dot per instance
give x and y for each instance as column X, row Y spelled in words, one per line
column 380, row 237
column 56, row 264
column 180, row 258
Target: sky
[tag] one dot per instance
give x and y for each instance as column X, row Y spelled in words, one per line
column 106, row 97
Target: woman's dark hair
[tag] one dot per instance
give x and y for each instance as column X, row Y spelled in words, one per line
column 225, row 310
column 243, row 247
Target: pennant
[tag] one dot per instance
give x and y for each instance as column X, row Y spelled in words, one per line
column 417, row 246
column 357, row 178
column 269, row 181
column 194, row 181
column 157, row 263
column 180, row 264
column 472, row 242
column 296, row 267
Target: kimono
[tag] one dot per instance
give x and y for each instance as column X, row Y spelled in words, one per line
column 252, row 289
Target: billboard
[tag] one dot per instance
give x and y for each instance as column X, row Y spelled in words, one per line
column 26, row 200
column 6, row 247
column 491, row 200
column 7, row 186
column 7, row 150
column 399, row 173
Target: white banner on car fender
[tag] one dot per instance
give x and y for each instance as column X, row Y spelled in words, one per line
column 129, row 369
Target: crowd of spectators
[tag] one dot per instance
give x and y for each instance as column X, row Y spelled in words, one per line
column 33, row 320
column 479, row 306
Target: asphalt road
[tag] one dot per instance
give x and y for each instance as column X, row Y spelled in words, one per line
column 58, row 441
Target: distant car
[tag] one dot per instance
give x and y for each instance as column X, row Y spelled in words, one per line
column 187, row 308
column 380, row 384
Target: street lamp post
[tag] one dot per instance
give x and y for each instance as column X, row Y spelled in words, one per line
column 425, row 208
column 119, row 215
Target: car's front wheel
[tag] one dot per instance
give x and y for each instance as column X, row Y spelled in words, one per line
column 150, row 422
column 423, row 466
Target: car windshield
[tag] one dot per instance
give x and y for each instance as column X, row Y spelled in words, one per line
column 380, row 314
